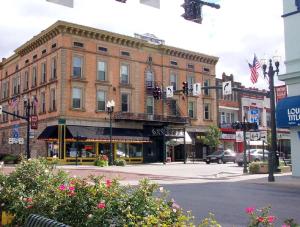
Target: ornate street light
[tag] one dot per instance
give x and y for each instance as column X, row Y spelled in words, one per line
column 271, row 73
column 110, row 109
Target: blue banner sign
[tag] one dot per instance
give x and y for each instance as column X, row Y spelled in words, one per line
column 288, row 112
column 253, row 116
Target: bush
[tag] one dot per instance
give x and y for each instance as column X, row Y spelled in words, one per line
column 36, row 188
column 256, row 167
column 10, row 159
column 101, row 160
column 120, row 162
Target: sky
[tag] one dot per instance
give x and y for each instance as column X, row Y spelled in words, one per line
column 233, row 33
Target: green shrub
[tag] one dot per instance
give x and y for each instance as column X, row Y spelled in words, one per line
column 9, row 158
column 35, row 187
column 120, row 162
column 101, row 160
column 254, row 167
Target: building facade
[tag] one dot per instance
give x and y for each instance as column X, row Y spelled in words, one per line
column 71, row 71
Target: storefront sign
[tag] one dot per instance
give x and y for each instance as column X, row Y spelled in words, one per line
column 239, row 136
column 281, row 92
column 15, row 140
column 167, row 132
column 283, row 136
column 228, row 136
column 288, row 112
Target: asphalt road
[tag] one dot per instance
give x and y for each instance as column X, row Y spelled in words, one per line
column 228, row 200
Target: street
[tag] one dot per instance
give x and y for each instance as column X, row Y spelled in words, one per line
column 228, row 200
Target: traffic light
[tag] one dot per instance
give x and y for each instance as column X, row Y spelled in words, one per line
column 123, row 1
column 185, row 88
column 192, row 11
column 157, row 94
column 247, row 126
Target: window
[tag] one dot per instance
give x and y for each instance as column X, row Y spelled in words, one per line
column 44, row 51
column 102, row 49
column 125, row 102
column 27, row 61
column 173, row 81
column 232, row 117
column 125, row 53
column 43, row 102
column 76, row 98
column 5, row 89
column 26, row 80
column 102, row 68
column 35, row 104
column 206, row 84
column 150, row 105
column 190, row 80
column 268, row 116
column 34, row 57
column 43, row 73
column 174, row 63
column 53, row 45
column 34, row 77
column 223, row 118
column 78, row 44
column 191, row 66
column 16, row 85
column 149, row 79
column 129, row 150
column 191, row 109
column 124, row 74
column 227, row 117
column 53, row 68
column 4, row 115
column 173, row 107
column 206, row 70
column 77, row 67
column 52, row 100
column 101, row 100
column 207, row 111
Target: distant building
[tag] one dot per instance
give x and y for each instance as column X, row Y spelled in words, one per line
column 73, row 70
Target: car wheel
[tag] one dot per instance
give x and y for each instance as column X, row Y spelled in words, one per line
column 220, row 161
column 207, row 162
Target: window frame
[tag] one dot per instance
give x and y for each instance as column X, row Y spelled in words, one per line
column 207, row 111
column 105, row 70
column 97, row 100
column 80, row 98
column 151, row 106
column 81, row 66
column 128, row 73
column 128, row 102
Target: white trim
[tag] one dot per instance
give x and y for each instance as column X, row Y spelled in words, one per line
column 229, row 108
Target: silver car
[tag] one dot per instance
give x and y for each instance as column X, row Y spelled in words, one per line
column 252, row 155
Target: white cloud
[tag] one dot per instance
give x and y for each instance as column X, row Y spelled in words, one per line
column 234, row 32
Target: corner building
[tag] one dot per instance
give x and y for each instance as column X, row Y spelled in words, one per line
column 74, row 70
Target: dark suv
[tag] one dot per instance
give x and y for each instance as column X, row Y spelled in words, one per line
column 221, row 157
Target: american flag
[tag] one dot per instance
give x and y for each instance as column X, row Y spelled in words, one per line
column 14, row 102
column 254, row 70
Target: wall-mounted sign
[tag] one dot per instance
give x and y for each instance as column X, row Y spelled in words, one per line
column 196, row 89
column 288, row 112
column 239, row 136
column 34, row 121
column 169, row 91
column 15, row 140
column 281, row 92
column 227, row 136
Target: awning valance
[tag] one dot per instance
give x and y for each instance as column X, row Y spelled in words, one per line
column 95, row 133
column 288, row 112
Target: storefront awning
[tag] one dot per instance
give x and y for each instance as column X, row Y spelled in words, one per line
column 288, row 112
column 177, row 141
column 96, row 133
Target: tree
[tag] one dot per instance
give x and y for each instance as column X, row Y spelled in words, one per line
column 212, row 138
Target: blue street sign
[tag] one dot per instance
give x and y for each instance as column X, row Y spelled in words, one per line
column 15, row 132
column 253, row 116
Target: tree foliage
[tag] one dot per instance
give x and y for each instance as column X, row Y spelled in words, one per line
column 212, row 138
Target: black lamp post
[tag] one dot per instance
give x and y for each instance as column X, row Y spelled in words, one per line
column 271, row 73
column 110, row 109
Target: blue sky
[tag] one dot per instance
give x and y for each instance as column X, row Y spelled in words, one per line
column 234, row 32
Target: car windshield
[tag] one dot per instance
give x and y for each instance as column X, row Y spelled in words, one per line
column 217, row 153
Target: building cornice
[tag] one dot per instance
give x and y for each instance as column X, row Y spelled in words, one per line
column 62, row 27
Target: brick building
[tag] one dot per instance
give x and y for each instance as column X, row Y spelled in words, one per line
column 73, row 70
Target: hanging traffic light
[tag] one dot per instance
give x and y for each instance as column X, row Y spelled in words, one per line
column 185, row 88
column 189, row 9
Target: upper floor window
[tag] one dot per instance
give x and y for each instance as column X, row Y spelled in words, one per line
column 26, row 80
column 124, row 74
column 174, row 107
column 150, row 105
column 222, row 118
column 53, row 68
column 16, row 85
column 206, row 84
column 125, row 102
column 190, row 80
column 207, row 111
column 53, row 45
column 43, row 72
column 190, row 66
column 4, row 115
column 125, row 53
column 34, row 77
column 44, row 51
column 76, row 98
column 206, row 70
column 78, row 44
column 102, row 69
column 101, row 100
column 77, row 67
column 149, row 79
column 174, row 63
column 173, row 80
column 43, row 102
column 191, row 109
column 102, row 49
column 52, row 100
column 5, row 89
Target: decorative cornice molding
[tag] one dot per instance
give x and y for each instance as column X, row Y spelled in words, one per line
column 62, row 27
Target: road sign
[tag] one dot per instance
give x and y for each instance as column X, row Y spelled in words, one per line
column 253, row 116
column 0, row 109
column 239, row 136
column 169, row 92
column 15, row 132
column 196, row 89
column 227, row 88
column 34, row 122
column 254, row 136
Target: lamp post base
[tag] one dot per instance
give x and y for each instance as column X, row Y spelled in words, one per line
column 271, row 179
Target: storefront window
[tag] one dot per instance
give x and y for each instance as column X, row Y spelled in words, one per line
column 125, row 150
column 83, row 150
column 52, row 149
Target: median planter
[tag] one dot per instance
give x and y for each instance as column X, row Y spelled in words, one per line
column 258, row 167
column 285, row 169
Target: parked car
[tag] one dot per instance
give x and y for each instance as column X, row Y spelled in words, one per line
column 221, row 157
column 251, row 155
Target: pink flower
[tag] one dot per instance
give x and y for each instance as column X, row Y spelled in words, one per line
column 260, row 219
column 284, row 225
column 71, row 188
column 250, row 210
column 71, row 193
column 271, row 219
column 108, row 183
column 62, row 187
column 29, row 207
column 101, row 205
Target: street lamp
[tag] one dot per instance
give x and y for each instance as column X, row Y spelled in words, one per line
column 271, row 73
column 110, row 109
column 27, row 106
